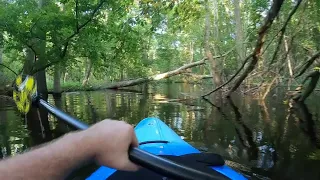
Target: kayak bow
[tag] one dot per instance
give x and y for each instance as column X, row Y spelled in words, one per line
column 156, row 137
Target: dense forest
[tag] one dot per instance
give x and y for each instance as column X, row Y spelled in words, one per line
column 251, row 46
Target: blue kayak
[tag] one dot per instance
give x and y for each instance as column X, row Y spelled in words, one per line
column 157, row 138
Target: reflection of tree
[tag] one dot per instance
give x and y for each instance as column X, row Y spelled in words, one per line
column 306, row 122
column 231, row 150
column 61, row 127
column 92, row 113
column 294, row 148
column 4, row 134
column 264, row 111
column 250, row 145
column 69, row 103
column 143, row 103
column 38, row 125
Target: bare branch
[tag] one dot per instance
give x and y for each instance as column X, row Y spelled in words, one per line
column 272, row 14
column 88, row 21
column 156, row 77
column 282, row 31
column 224, row 84
column 9, row 69
column 309, row 63
column 65, row 43
column 208, row 101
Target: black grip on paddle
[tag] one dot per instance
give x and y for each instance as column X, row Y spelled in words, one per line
column 166, row 167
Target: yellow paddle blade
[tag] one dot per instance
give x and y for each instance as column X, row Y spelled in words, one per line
column 25, row 90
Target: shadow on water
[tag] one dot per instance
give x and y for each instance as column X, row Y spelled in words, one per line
column 260, row 138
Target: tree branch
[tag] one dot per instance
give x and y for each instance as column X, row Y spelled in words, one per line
column 88, row 21
column 156, row 77
column 282, row 31
column 9, row 69
column 76, row 32
column 62, row 55
column 272, row 14
column 239, row 70
column 308, row 63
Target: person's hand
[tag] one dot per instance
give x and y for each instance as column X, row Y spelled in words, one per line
column 110, row 141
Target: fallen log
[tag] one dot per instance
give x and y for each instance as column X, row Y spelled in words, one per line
column 197, row 76
column 156, row 77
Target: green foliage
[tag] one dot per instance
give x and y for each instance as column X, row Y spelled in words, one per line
column 129, row 39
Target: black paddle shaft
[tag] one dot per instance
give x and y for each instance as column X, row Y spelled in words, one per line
column 145, row 159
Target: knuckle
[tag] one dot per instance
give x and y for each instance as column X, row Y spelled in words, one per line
column 129, row 128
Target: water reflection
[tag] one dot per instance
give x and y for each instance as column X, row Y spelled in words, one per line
column 266, row 138
column 247, row 140
column 306, row 122
column 14, row 134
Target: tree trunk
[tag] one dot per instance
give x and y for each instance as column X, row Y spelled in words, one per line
column 310, row 87
column 30, row 57
column 87, row 73
column 316, row 35
column 1, row 52
column 41, row 82
column 214, row 69
column 239, row 31
column 156, row 77
column 57, row 79
column 215, row 5
column 202, row 67
column 268, row 88
column 288, row 57
column 41, row 75
column 191, row 52
column 1, row 49
column 65, row 77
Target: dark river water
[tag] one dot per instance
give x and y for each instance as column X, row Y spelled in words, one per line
column 264, row 140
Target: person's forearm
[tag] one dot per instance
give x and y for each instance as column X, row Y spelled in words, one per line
column 53, row 161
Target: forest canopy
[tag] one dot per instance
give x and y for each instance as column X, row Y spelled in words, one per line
column 244, row 43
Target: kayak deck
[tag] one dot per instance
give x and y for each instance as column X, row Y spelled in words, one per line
column 156, row 137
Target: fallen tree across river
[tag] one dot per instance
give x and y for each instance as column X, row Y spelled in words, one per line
column 156, row 77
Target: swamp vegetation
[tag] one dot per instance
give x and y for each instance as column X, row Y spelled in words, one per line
column 237, row 77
